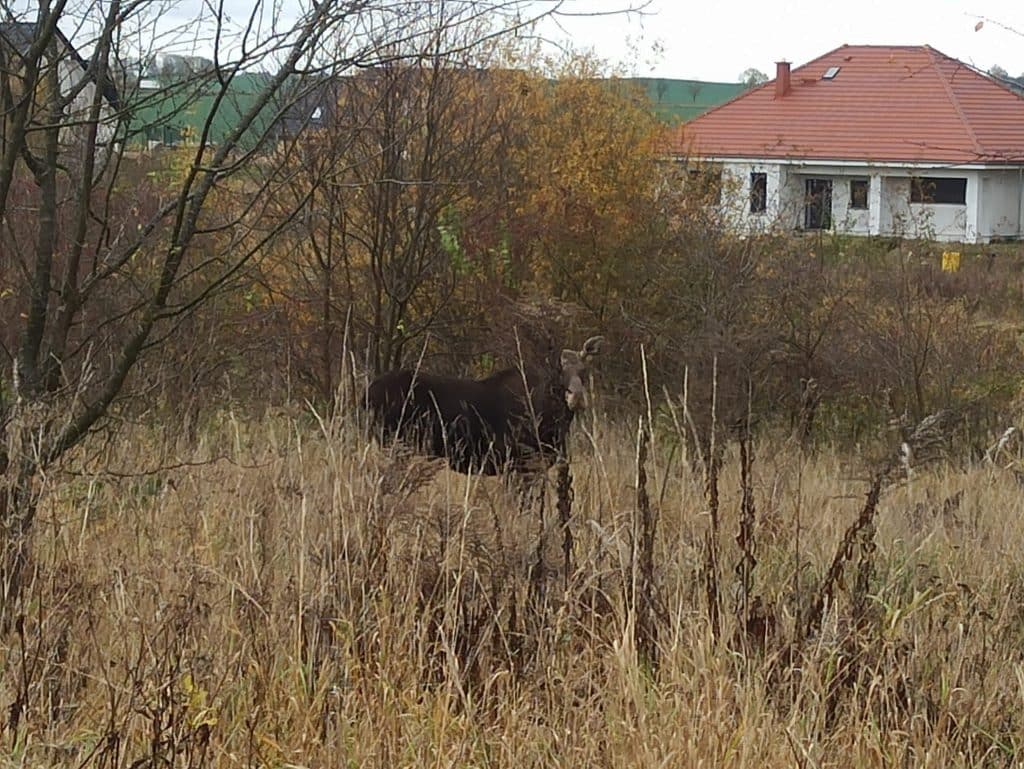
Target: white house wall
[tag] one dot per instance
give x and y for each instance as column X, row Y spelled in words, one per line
column 895, row 215
column 852, row 220
column 994, row 204
column 71, row 75
column 736, row 200
column 1000, row 204
column 938, row 222
column 946, row 221
column 791, row 200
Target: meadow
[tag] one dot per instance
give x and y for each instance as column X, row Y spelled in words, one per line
column 281, row 592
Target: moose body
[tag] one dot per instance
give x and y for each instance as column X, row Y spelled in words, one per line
column 504, row 422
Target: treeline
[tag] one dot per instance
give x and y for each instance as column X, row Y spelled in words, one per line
column 1001, row 74
column 461, row 218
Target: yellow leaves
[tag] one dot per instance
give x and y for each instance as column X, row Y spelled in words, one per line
column 534, row 184
column 200, row 714
column 253, row 299
column 589, row 177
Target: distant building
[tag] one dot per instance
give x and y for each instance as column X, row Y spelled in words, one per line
column 75, row 76
column 310, row 104
column 869, row 140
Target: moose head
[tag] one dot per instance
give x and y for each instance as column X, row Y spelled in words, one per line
column 575, row 365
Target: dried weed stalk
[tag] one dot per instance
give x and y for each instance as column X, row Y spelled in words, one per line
column 645, row 601
column 755, row 622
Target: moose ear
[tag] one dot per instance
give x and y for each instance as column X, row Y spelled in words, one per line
column 570, row 358
column 592, row 347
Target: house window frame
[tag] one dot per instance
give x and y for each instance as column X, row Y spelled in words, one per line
column 758, row 192
column 855, row 202
column 940, row 193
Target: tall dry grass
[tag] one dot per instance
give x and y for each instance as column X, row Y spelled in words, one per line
column 281, row 593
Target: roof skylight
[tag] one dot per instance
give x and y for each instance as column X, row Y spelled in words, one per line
column 830, row 73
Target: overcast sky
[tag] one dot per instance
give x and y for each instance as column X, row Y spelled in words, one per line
column 718, row 39
column 713, row 39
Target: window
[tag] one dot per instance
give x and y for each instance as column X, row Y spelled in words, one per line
column 859, row 194
column 929, row 189
column 830, row 73
column 758, row 192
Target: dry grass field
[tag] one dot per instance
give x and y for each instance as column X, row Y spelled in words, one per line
column 284, row 594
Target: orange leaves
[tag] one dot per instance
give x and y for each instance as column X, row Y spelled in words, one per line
column 589, row 174
column 436, row 189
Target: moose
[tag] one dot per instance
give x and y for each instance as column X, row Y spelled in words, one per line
column 507, row 422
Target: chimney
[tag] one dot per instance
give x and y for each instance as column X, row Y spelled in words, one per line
column 781, row 79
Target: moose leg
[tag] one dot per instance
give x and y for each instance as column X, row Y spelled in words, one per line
column 564, row 505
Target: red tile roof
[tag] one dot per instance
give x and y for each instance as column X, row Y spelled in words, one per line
column 886, row 104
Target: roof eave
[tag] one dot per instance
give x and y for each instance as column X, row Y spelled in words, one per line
column 880, row 163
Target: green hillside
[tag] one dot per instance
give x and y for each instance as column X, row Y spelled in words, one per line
column 682, row 100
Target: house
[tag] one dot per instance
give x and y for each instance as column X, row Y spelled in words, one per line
column 309, row 104
column 870, row 140
column 316, row 103
column 75, row 75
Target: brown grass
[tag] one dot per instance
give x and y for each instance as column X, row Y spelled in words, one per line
column 290, row 596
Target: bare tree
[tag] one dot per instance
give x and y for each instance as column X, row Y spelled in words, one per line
column 100, row 264
column 403, row 169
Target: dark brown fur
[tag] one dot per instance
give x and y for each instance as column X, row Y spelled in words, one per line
column 503, row 422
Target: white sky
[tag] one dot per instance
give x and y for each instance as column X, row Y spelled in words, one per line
column 718, row 39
